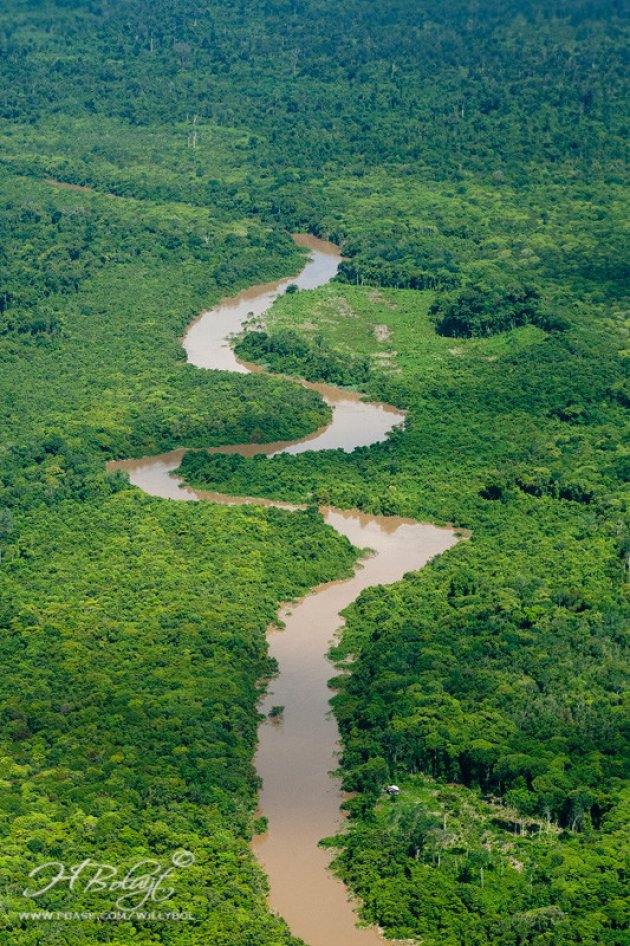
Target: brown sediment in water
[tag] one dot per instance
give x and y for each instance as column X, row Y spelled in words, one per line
column 297, row 753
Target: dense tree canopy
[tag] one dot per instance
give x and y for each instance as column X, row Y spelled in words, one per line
column 468, row 156
column 479, row 311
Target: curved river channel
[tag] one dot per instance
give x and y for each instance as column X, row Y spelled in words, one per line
column 295, row 756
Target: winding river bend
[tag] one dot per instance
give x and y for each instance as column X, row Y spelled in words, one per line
column 295, row 755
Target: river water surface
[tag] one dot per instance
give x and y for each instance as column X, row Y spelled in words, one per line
column 296, row 754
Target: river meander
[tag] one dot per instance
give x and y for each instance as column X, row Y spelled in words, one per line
column 296, row 754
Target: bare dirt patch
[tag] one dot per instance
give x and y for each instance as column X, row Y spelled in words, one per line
column 80, row 187
column 381, row 333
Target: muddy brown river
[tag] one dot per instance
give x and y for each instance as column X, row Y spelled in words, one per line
column 296, row 754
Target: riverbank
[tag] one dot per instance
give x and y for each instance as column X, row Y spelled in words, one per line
column 295, row 756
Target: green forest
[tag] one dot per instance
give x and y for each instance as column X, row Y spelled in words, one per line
column 468, row 157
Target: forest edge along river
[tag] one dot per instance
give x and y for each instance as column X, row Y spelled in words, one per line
column 297, row 753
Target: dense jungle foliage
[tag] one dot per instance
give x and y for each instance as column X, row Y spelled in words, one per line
column 133, row 647
column 500, row 668
column 468, row 156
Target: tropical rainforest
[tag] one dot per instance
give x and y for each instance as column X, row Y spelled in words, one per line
column 468, row 157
